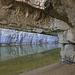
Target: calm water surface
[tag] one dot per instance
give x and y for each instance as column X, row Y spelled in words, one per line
column 10, row 52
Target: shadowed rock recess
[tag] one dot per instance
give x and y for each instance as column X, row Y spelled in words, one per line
column 43, row 16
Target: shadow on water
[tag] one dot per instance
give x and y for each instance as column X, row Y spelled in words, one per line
column 10, row 52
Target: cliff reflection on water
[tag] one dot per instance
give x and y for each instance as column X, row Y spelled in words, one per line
column 10, row 52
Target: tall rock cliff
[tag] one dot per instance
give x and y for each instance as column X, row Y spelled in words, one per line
column 19, row 37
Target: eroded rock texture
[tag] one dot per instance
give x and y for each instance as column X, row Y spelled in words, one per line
column 42, row 16
column 22, row 11
column 41, row 4
column 66, row 9
column 66, row 12
column 66, row 36
column 20, row 16
column 8, row 36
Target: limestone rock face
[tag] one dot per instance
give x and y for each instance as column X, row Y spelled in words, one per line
column 35, row 15
column 66, row 8
column 6, row 2
column 71, row 35
column 63, row 10
column 41, row 4
column 58, row 25
column 63, row 37
column 68, row 55
column 19, row 37
column 21, row 16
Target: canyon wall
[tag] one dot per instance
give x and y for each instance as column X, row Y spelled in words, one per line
column 19, row 37
column 42, row 16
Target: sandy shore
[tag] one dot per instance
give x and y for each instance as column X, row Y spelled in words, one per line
column 53, row 69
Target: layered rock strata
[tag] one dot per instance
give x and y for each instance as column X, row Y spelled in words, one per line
column 67, row 39
column 35, row 15
column 19, row 37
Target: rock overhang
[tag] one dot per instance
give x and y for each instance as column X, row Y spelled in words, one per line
column 19, row 15
column 63, row 10
column 40, row 4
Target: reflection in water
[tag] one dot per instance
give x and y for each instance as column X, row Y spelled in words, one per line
column 9, row 52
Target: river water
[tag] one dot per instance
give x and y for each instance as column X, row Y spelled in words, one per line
column 10, row 52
